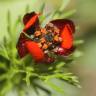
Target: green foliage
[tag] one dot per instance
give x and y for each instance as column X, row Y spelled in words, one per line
column 16, row 73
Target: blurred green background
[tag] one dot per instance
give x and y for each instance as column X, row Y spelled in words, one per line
column 85, row 18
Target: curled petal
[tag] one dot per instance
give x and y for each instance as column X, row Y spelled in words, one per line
column 34, row 50
column 30, row 20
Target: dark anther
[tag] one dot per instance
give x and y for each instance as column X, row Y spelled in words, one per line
column 49, row 37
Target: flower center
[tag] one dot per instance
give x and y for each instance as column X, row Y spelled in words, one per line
column 47, row 38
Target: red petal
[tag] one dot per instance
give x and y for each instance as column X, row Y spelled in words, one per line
column 21, row 46
column 67, row 37
column 34, row 50
column 30, row 19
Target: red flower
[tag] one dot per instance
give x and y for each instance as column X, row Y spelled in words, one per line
column 56, row 37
